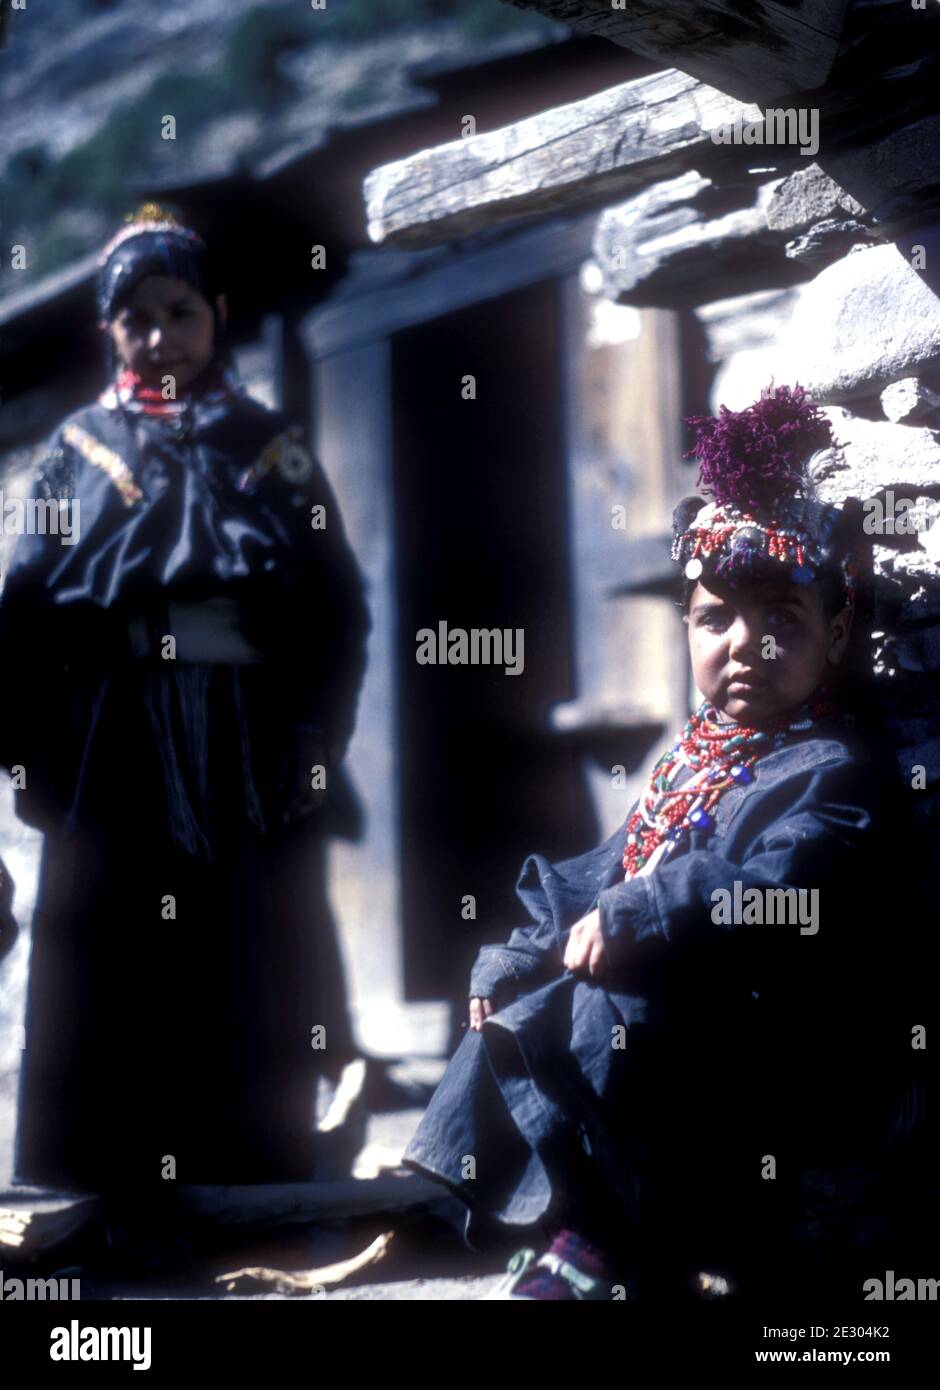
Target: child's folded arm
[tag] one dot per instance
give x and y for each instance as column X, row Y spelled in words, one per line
column 529, row 956
column 813, row 835
column 556, row 896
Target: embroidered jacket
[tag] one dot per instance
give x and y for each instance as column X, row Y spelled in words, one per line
column 220, row 501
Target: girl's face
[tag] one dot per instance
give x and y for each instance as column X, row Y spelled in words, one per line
column 759, row 650
column 165, row 328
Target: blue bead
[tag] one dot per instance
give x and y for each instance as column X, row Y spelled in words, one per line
column 676, row 835
column 701, row 820
column 802, row 574
column 741, row 774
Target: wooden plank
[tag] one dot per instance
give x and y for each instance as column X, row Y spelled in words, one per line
column 758, row 51
column 29, row 1231
column 423, row 287
column 579, row 155
column 646, row 566
column 34, row 1226
column 286, row 1204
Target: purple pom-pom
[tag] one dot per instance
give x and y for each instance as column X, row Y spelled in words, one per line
column 753, row 458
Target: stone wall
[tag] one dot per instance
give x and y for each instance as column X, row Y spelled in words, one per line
column 865, row 338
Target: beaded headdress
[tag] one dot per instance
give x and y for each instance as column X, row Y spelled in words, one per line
column 765, row 519
column 151, row 242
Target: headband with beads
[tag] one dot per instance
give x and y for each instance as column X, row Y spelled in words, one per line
column 149, row 217
column 152, row 242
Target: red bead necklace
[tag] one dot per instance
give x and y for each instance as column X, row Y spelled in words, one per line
column 720, row 756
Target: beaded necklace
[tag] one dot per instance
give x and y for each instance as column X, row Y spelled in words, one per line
column 720, row 756
column 215, row 382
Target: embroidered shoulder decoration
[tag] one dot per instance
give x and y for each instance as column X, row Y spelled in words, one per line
column 100, row 456
column 286, row 453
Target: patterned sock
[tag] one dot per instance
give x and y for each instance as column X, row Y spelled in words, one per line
column 542, row 1283
column 589, row 1258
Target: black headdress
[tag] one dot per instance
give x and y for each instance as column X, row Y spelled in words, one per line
column 154, row 242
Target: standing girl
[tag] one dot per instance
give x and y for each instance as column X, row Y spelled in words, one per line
column 182, row 684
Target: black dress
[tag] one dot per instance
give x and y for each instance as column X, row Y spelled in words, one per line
column 183, row 952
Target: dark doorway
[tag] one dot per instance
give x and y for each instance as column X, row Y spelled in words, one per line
column 481, row 543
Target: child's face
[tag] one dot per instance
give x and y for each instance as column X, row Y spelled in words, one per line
column 165, row 328
column 737, row 666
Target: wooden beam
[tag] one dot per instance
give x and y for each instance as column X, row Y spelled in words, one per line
column 605, row 148
column 35, row 1225
column 28, row 1232
column 758, row 51
column 580, row 155
column 422, row 286
column 690, row 240
column 291, row 1204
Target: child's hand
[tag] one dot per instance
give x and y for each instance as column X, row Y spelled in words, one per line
column 586, row 949
column 479, row 1009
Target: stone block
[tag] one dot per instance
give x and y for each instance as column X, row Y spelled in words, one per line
column 911, row 400
column 807, row 196
column 865, row 322
column 876, row 455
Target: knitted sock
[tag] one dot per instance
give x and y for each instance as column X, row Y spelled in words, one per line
column 590, row 1259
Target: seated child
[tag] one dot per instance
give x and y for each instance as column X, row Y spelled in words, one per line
column 652, row 1063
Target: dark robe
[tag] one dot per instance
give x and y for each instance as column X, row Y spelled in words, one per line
column 648, row 1100
column 182, row 946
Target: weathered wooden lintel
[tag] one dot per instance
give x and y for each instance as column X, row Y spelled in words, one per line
column 604, row 149
column 583, row 154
